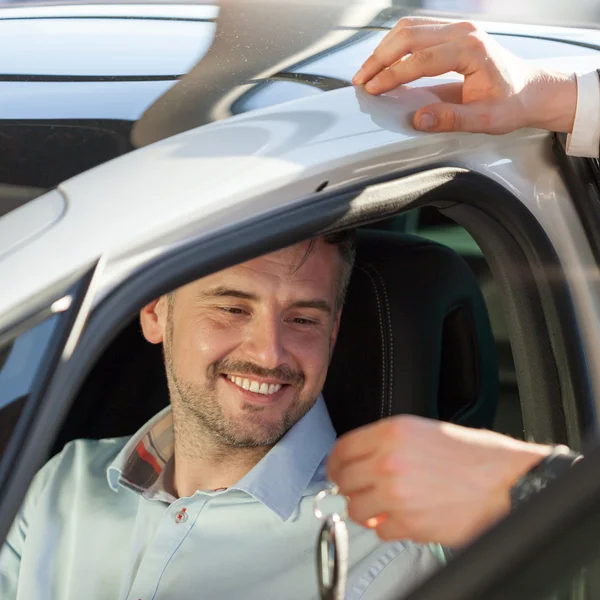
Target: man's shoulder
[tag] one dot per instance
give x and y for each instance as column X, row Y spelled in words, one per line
column 78, row 470
column 97, row 455
column 83, row 459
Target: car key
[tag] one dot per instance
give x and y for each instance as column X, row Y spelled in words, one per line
column 332, row 550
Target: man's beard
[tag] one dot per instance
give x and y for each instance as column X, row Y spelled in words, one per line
column 198, row 414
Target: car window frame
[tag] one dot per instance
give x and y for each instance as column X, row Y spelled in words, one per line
column 582, row 178
column 22, row 458
column 322, row 211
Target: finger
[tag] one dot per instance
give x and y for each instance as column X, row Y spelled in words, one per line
column 406, row 40
column 369, row 504
column 433, row 61
column 372, row 65
column 375, row 522
column 358, row 444
column 407, row 22
column 393, row 529
column 477, row 117
column 447, row 92
column 415, row 21
column 355, row 476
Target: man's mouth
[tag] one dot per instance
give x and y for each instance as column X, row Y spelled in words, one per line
column 255, row 386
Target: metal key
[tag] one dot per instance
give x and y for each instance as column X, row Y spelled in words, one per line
column 332, row 550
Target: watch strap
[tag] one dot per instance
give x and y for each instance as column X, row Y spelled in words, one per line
column 557, row 463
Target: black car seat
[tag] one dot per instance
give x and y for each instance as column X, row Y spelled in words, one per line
column 414, row 338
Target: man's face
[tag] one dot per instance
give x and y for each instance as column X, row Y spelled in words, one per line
column 247, row 349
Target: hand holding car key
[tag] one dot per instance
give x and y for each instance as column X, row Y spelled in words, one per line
column 332, row 550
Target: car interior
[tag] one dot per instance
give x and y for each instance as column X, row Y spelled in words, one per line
column 432, row 224
column 416, row 337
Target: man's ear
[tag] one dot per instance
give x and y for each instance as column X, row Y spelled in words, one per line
column 153, row 320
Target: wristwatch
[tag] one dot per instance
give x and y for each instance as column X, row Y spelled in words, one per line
column 558, row 462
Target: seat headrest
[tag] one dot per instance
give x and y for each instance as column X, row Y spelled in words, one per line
column 415, row 337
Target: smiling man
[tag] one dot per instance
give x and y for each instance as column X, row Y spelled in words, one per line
column 246, row 354
column 213, row 497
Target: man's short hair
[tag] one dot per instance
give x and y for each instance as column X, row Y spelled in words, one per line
column 346, row 244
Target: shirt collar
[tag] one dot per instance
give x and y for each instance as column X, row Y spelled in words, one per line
column 282, row 477
column 140, row 465
column 278, row 481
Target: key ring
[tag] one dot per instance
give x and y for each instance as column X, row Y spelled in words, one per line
column 334, row 490
column 332, row 548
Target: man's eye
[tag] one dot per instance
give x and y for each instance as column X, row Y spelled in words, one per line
column 232, row 310
column 302, row 321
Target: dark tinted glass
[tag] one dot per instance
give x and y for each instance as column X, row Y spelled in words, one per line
column 45, row 154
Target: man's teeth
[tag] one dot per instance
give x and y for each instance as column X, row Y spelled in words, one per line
column 254, row 386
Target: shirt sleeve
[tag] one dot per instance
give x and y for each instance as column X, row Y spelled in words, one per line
column 393, row 569
column 11, row 550
column 585, row 138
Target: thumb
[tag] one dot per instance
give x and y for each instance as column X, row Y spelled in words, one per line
column 443, row 116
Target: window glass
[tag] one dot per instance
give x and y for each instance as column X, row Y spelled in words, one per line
column 271, row 93
column 43, row 155
column 20, row 360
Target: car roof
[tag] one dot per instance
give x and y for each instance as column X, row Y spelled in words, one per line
column 115, row 60
column 137, row 207
column 84, row 83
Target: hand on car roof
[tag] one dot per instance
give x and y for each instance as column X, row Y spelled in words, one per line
column 500, row 92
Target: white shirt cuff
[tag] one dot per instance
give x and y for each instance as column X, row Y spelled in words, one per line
column 585, row 138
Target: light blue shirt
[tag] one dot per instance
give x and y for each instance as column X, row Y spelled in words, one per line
column 85, row 532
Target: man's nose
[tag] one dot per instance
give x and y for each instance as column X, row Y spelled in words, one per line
column 264, row 344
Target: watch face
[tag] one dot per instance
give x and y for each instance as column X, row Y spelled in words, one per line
column 541, row 475
column 527, row 487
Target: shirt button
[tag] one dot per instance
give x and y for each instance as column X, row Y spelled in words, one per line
column 181, row 516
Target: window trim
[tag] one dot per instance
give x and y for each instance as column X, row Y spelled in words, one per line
column 582, row 178
column 23, row 456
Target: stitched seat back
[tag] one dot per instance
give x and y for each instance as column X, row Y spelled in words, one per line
column 414, row 338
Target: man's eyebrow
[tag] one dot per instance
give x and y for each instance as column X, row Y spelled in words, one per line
column 225, row 292
column 321, row 305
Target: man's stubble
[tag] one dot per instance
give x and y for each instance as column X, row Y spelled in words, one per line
column 199, row 419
